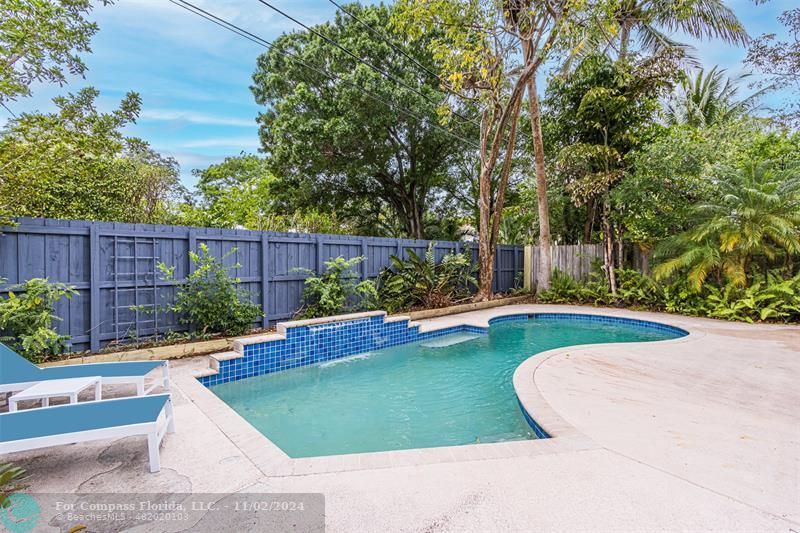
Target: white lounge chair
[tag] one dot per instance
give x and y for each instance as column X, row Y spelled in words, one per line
column 87, row 421
column 17, row 373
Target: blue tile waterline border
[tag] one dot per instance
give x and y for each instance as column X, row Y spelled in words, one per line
column 311, row 344
column 537, row 429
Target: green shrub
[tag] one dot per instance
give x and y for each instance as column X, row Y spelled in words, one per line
column 565, row 289
column 423, row 282
column 337, row 290
column 210, row 300
column 27, row 315
column 776, row 298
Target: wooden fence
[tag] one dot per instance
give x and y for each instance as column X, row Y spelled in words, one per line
column 573, row 259
column 114, row 268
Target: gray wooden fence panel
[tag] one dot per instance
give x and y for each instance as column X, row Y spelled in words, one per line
column 114, row 266
column 573, row 259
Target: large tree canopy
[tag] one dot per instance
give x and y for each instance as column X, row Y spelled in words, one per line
column 75, row 163
column 239, row 192
column 40, row 40
column 332, row 145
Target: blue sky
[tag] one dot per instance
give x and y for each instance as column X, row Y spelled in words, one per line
column 194, row 76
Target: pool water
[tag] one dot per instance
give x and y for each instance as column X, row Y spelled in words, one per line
column 412, row 396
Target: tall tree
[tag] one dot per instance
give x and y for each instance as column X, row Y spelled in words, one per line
column 477, row 44
column 76, row 163
column 650, row 22
column 345, row 138
column 780, row 61
column 708, row 98
column 602, row 112
column 41, row 40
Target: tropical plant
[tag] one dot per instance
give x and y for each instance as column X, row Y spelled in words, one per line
column 337, row 290
column 601, row 113
column 775, row 298
column 10, row 476
column 709, row 98
column 421, row 281
column 27, row 314
column 754, row 216
column 209, row 300
column 651, row 22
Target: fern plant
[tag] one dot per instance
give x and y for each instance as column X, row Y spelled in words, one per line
column 422, row 282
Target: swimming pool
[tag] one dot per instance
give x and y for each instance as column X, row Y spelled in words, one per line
column 448, row 390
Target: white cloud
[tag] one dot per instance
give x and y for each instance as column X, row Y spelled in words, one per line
column 194, row 118
column 224, row 142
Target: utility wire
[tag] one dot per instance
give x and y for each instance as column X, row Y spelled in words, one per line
column 394, row 47
column 9, row 110
column 188, row 6
column 354, row 56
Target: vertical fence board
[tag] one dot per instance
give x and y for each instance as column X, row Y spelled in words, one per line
column 114, row 266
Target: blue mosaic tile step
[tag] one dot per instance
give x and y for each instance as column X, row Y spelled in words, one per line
column 307, row 345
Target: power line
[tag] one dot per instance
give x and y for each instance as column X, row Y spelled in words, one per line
column 9, row 110
column 385, row 39
column 188, row 6
column 354, row 56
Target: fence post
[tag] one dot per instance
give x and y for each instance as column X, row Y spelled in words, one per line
column 265, row 279
column 364, row 255
column 94, row 288
column 495, row 277
column 192, row 248
column 320, row 260
column 527, row 267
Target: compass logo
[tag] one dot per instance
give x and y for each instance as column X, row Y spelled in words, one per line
column 20, row 514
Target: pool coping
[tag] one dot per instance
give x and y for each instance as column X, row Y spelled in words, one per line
column 563, row 437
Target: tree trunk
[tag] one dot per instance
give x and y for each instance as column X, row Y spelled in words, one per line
column 485, row 251
column 608, row 252
column 589, row 224
column 624, row 39
column 620, row 247
column 545, row 249
column 490, row 221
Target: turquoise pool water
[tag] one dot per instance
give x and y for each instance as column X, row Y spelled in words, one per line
column 413, row 395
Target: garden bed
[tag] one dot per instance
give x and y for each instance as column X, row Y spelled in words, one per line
column 463, row 308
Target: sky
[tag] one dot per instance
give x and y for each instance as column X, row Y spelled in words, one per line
column 194, row 76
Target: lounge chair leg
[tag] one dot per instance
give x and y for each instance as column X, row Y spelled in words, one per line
column 165, row 372
column 170, row 417
column 152, row 449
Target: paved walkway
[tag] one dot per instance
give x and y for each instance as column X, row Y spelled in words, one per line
column 701, row 434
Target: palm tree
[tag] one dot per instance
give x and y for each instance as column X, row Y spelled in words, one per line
column 709, row 98
column 652, row 20
column 756, row 215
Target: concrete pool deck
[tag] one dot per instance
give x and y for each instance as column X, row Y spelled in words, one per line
column 698, row 433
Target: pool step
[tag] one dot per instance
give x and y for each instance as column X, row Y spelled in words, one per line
column 215, row 358
column 450, row 340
